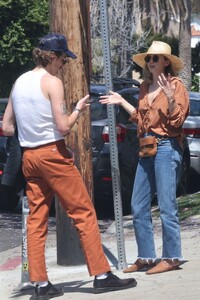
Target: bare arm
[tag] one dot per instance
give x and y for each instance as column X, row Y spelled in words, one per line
column 115, row 98
column 9, row 122
column 63, row 121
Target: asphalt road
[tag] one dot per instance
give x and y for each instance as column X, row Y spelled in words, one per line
column 11, row 221
column 10, row 230
column 11, row 226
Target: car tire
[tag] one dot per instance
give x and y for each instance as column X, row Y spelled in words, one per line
column 182, row 188
column 9, row 200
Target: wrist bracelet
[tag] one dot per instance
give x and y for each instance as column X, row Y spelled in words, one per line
column 77, row 109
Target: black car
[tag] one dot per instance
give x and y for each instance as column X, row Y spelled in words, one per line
column 126, row 138
column 4, row 141
column 8, row 196
column 127, row 143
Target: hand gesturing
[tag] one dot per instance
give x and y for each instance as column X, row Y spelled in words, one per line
column 166, row 85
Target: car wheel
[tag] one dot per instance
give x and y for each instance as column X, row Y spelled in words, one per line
column 182, row 188
column 9, row 199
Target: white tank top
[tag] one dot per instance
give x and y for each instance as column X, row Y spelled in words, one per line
column 33, row 113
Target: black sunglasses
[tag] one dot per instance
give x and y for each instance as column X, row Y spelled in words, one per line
column 154, row 57
column 65, row 60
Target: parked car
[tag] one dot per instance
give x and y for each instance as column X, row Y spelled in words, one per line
column 192, row 131
column 4, row 141
column 127, row 143
column 8, row 197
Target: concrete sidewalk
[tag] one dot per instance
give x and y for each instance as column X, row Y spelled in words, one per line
column 76, row 283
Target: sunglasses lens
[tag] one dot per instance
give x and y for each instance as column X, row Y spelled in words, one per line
column 155, row 58
column 65, row 60
column 147, row 58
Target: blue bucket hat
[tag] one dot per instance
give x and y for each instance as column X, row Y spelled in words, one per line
column 55, row 42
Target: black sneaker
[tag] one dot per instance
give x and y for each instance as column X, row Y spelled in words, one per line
column 112, row 283
column 47, row 292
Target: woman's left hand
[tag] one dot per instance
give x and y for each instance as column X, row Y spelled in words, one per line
column 167, row 86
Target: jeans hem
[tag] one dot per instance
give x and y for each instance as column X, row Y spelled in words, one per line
column 147, row 260
column 173, row 258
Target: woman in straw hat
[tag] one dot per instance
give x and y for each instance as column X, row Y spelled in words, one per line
column 162, row 108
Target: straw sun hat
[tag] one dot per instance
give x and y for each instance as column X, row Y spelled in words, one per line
column 159, row 48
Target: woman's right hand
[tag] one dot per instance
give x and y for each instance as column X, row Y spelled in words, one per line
column 112, row 98
column 115, row 98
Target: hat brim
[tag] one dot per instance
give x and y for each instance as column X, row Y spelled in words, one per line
column 70, row 54
column 176, row 62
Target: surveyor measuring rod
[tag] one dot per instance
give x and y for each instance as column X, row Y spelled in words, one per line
column 112, row 138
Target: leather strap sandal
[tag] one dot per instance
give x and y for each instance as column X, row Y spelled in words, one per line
column 164, row 266
column 138, row 265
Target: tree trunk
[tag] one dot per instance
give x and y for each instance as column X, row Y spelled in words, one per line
column 71, row 18
column 185, row 41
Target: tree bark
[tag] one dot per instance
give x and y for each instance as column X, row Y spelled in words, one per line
column 185, row 41
column 71, row 18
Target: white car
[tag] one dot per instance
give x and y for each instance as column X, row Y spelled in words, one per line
column 192, row 131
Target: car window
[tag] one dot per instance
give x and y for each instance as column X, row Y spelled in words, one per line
column 194, row 107
column 98, row 111
column 2, row 108
column 132, row 97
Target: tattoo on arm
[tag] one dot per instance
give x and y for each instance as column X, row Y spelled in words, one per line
column 63, row 108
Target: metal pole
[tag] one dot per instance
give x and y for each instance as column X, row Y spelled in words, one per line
column 25, row 281
column 112, row 138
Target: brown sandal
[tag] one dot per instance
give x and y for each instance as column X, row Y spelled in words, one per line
column 138, row 265
column 164, row 266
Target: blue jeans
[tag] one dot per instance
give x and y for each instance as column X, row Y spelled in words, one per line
column 159, row 174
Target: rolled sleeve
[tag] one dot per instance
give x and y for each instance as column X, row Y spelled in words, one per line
column 134, row 116
column 181, row 111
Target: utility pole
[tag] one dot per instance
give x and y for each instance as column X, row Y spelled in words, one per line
column 71, row 18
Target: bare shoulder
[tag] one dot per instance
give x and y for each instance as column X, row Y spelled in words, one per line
column 51, row 80
column 50, row 85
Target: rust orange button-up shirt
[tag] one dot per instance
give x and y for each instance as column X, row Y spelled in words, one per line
column 156, row 117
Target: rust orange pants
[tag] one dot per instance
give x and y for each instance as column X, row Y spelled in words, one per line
column 49, row 170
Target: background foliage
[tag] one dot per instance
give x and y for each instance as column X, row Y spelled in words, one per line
column 133, row 26
column 22, row 22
